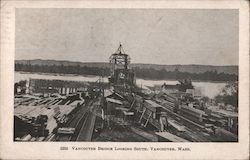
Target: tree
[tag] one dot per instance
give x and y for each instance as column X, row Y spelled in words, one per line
column 229, row 95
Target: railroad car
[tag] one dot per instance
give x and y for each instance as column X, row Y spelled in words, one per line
column 193, row 114
column 66, row 130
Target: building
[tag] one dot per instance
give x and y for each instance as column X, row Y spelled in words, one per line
column 196, row 93
column 167, row 88
column 150, row 112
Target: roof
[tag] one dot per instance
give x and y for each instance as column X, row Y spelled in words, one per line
column 216, row 115
column 128, row 113
column 166, row 96
column 194, row 92
column 50, row 111
column 119, row 95
column 176, row 125
column 227, row 113
column 77, row 102
column 151, row 95
column 197, row 92
column 34, row 111
column 107, row 92
column 116, row 96
column 121, row 108
column 170, row 86
column 191, row 91
column 153, row 104
column 193, row 109
column 30, row 96
column 114, row 101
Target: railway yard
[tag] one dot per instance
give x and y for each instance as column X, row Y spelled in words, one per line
column 86, row 117
column 120, row 111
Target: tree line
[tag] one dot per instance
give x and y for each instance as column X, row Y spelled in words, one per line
column 177, row 75
column 150, row 73
column 81, row 70
column 229, row 95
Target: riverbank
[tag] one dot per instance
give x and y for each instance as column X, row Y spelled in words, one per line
column 92, row 76
column 209, row 89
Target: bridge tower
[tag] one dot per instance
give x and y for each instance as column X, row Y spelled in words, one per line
column 121, row 74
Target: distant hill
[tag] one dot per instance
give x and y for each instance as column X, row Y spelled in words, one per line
column 191, row 68
column 58, row 63
column 182, row 68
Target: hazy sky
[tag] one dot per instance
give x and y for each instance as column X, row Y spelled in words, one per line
column 159, row 36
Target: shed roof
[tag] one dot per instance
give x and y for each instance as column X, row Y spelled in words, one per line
column 107, row 92
column 116, row 96
column 114, row 101
column 176, row 125
column 153, row 104
column 126, row 113
column 227, row 113
column 170, row 86
column 193, row 109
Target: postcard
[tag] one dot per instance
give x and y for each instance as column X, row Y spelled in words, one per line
column 124, row 80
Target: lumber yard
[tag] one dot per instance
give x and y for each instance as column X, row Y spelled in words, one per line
column 118, row 110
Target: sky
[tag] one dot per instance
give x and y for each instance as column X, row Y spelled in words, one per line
column 155, row 36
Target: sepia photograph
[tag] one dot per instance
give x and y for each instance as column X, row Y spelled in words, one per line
column 123, row 80
column 126, row 75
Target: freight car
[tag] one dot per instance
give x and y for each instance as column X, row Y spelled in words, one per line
column 193, row 114
column 66, row 130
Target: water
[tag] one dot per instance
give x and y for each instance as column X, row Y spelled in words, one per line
column 25, row 76
column 210, row 89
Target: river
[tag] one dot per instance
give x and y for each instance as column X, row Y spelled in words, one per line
column 210, row 89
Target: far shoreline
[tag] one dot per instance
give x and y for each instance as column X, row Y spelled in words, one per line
column 91, row 76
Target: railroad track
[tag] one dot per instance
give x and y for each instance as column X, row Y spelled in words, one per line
column 77, row 122
column 86, row 131
column 79, row 126
column 83, row 132
column 194, row 131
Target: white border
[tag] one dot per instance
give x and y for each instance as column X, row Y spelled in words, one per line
column 50, row 150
